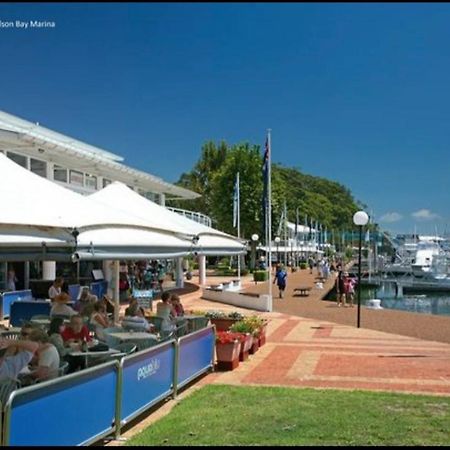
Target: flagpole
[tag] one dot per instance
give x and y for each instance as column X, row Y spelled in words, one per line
column 269, row 218
column 238, row 221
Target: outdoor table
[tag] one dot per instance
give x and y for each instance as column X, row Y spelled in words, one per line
column 111, row 351
column 303, row 290
column 140, row 338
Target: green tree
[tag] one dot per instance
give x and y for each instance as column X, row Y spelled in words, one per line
column 214, row 175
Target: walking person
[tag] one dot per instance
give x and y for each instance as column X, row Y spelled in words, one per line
column 340, row 288
column 280, row 279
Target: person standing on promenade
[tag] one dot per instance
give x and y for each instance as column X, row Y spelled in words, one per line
column 280, row 279
column 340, row 288
column 311, row 264
column 349, row 288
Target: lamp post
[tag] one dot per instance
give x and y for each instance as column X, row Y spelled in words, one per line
column 255, row 238
column 277, row 241
column 360, row 219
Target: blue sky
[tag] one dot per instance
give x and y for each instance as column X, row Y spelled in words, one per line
column 358, row 93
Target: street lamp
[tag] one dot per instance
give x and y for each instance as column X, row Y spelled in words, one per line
column 360, row 219
column 277, row 241
column 255, row 238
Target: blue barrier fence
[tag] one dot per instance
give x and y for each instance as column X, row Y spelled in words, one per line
column 196, row 354
column 80, row 408
column 147, row 378
column 24, row 310
column 73, row 410
column 8, row 297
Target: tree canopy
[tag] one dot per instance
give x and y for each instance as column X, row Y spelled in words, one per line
column 322, row 200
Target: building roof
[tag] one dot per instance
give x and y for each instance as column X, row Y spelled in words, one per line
column 35, row 140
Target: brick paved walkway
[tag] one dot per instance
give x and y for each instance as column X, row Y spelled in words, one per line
column 317, row 352
column 313, row 352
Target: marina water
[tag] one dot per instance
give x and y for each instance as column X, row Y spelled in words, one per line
column 437, row 303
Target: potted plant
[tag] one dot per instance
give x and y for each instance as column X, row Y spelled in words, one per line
column 228, row 346
column 221, row 320
column 246, row 331
column 258, row 326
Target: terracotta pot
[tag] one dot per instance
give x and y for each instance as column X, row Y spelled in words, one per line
column 255, row 345
column 248, row 343
column 223, row 324
column 228, row 352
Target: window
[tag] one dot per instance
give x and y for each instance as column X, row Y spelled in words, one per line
column 38, row 167
column 106, row 182
column 91, row 181
column 76, row 178
column 18, row 159
column 60, row 173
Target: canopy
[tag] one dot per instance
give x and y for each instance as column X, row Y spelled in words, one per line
column 209, row 240
column 38, row 216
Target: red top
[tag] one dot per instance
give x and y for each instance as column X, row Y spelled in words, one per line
column 68, row 333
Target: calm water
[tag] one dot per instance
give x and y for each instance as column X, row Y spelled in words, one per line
column 425, row 303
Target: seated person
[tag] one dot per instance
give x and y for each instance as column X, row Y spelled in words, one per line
column 132, row 303
column 76, row 331
column 56, row 288
column 86, row 302
column 60, row 306
column 45, row 364
column 177, row 306
column 99, row 320
column 73, row 336
column 134, row 320
column 55, row 338
column 165, row 310
column 15, row 356
column 26, row 329
column 109, row 304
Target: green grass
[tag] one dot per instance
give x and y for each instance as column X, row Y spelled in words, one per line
column 229, row 415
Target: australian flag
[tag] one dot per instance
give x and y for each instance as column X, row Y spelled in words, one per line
column 265, row 198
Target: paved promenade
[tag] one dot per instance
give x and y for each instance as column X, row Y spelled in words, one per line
column 313, row 343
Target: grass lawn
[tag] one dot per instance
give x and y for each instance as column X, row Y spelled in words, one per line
column 229, row 415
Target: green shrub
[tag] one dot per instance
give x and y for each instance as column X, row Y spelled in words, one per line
column 302, row 265
column 260, row 275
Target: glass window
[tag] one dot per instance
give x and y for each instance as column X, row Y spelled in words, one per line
column 38, row 167
column 19, row 159
column 60, row 173
column 91, row 181
column 76, row 178
column 106, row 182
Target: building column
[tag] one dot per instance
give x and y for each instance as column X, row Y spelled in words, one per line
column 108, row 273
column 162, row 199
column 179, row 273
column 26, row 275
column 48, row 270
column 202, row 270
column 115, row 288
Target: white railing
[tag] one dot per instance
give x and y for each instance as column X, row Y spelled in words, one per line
column 192, row 215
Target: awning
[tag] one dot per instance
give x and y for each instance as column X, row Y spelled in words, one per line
column 129, row 243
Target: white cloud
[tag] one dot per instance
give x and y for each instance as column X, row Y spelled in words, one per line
column 391, row 217
column 424, row 214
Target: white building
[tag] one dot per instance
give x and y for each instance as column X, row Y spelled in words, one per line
column 77, row 166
